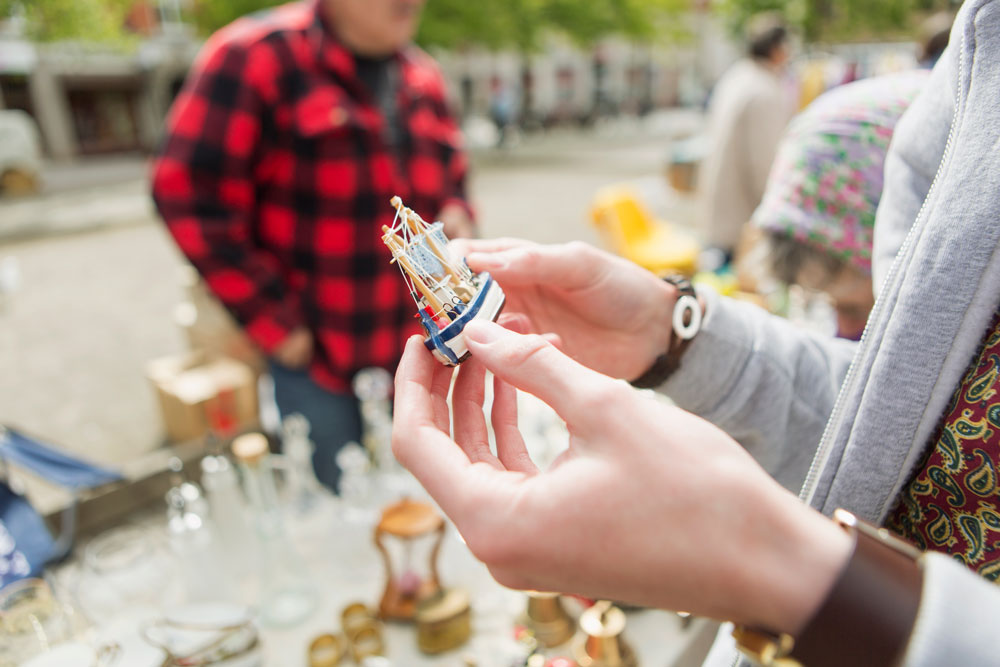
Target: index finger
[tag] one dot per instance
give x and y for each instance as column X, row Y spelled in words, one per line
column 572, row 265
column 531, row 363
column 418, row 442
column 462, row 247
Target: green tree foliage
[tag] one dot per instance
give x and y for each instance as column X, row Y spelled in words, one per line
column 521, row 23
column 210, row 15
column 833, row 20
column 491, row 23
column 498, row 24
column 81, row 20
column 494, row 24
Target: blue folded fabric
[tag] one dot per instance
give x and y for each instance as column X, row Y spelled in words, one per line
column 51, row 464
column 25, row 542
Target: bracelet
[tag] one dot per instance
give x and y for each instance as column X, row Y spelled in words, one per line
column 867, row 618
column 686, row 322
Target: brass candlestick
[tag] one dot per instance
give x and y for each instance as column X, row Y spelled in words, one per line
column 602, row 644
column 548, row 619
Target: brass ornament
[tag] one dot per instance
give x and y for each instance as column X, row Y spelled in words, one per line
column 326, row 651
column 602, row 643
column 367, row 642
column 548, row 619
column 443, row 621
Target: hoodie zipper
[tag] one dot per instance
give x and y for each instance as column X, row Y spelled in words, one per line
column 808, row 490
column 823, row 451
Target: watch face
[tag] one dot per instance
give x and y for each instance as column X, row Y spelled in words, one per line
column 687, row 317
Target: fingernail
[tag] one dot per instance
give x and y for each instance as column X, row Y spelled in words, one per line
column 482, row 333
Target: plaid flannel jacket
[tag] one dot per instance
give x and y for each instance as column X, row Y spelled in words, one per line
column 274, row 180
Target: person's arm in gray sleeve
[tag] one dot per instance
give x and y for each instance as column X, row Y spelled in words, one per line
column 914, row 155
column 767, row 382
column 956, row 618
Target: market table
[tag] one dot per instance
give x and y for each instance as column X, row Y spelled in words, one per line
column 334, row 543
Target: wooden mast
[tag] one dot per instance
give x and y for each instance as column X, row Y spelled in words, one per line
column 397, row 254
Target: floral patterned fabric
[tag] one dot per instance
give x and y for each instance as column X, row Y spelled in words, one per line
column 952, row 504
column 826, row 180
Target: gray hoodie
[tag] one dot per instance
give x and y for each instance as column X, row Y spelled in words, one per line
column 846, row 422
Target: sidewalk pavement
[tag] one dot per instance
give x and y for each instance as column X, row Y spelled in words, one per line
column 79, row 197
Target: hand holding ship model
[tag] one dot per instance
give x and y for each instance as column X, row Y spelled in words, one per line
column 645, row 505
column 645, row 492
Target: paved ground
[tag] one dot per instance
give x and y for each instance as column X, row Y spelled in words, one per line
column 98, row 275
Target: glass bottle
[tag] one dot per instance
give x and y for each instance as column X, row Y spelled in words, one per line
column 228, row 509
column 373, row 388
column 194, row 542
column 304, row 489
column 356, row 485
column 287, row 595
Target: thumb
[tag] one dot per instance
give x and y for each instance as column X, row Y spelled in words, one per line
column 531, row 363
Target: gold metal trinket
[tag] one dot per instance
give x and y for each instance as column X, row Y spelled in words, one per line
column 548, row 619
column 443, row 621
column 326, row 651
column 355, row 617
column 602, row 644
column 367, row 642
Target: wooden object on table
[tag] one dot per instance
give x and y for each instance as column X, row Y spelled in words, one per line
column 196, row 392
column 408, row 521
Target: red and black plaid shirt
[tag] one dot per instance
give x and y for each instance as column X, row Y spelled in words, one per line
column 275, row 180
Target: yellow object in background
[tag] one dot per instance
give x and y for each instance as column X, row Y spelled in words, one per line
column 812, row 82
column 629, row 230
column 723, row 283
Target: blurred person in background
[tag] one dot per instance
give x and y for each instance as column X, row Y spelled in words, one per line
column 818, row 212
column 934, row 32
column 503, row 104
column 747, row 114
column 293, row 130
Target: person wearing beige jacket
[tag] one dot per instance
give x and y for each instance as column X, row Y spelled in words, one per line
column 747, row 116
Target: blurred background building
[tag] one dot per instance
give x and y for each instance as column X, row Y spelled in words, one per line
column 99, row 86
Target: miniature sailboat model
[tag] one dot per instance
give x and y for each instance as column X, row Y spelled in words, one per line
column 447, row 293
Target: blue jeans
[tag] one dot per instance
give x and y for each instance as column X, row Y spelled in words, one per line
column 334, row 419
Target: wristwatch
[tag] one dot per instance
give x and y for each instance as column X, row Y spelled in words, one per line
column 866, row 619
column 685, row 324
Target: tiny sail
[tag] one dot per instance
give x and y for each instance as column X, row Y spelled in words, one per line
column 448, row 295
